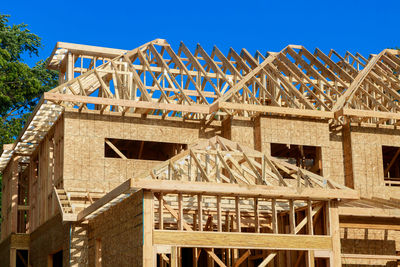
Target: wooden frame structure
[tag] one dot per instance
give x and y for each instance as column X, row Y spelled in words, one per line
column 238, row 190
column 223, row 200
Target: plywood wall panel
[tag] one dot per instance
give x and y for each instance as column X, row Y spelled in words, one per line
column 370, row 242
column 120, row 230
column 84, row 142
column 297, row 131
column 367, row 145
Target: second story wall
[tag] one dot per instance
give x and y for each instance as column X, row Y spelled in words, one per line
column 87, row 164
column 368, row 145
column 45, row 173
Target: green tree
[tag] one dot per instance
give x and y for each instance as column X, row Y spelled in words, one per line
column 20, row 85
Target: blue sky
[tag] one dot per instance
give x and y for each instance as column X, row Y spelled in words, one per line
column 357, row 26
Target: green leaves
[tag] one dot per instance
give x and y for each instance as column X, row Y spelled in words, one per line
column 20, row 85
column 17, row 39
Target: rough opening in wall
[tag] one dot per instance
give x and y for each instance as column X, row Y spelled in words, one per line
column 307, row 157
column 391, row 165
column 21, row 258
column 56, row 259
column 138, row 149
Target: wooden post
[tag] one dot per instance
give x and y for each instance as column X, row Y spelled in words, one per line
column 310, row 226
column 13, row 257
column 219, row 219
column 180, row 214
column 161, row 212
column 274, row 217
column 334, row 230
column 174, row 257
column 70, row 67
column 291, row 217
column 14, row 195
column 200, row 211
column 148, row 221
column 310, row 261
column 347, row 153
column 310, row 231
column 195, row 259
column 256, row 216
column 237, row 208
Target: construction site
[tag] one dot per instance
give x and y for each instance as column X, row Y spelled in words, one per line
column 174, row 156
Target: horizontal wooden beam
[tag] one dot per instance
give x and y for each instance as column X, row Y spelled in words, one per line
column 367, row 114
column 368, row 225
column 360, row 222
column 369, row 212
column 204, row 109
column 371, row 257
column 20, row 241
column 225, row 189
column 124, row 187
column 241, row 240
column 277, row 110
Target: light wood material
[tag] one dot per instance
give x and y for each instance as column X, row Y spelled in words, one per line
column 241, row 240
column 335, row 233
column 148, row 221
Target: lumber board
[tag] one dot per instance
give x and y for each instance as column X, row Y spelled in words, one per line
column 241, row 240
column 242, row 190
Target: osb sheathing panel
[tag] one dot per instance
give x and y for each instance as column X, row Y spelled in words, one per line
column 54, row 236
column 120, row 231
column 47, row 239
column 367, row 160
column 371, row 242
column 84, row 163
column 5, row 252
column 335, row 157
column 242, row 131
column 300, row 132
column 6, row 201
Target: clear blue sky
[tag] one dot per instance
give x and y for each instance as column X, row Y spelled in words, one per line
column 357, row 26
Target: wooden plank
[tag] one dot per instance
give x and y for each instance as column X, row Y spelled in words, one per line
column 161, row 211
column 242, row 240
column 219, row 215
column 310, row 225
column 368, row 225
column 174, row 257
column 334, row 232
column 242, row 190
column 256, row 216
column 124, row 187
column 371, row 257
column 268, row 259
column 195, row 108
column 368, row 114
column 242, row 258
column 274, row 217
column 215, row 258
column 13, row 257
column 292, row 220
column 20, row 241
column 116, row 150
column 200, row 211
column 13, row 187
column 278, row 110
column 180, row 212
column 237, row 211
column 148, row 226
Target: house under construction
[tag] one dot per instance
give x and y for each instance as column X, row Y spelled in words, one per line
column 165, row 157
